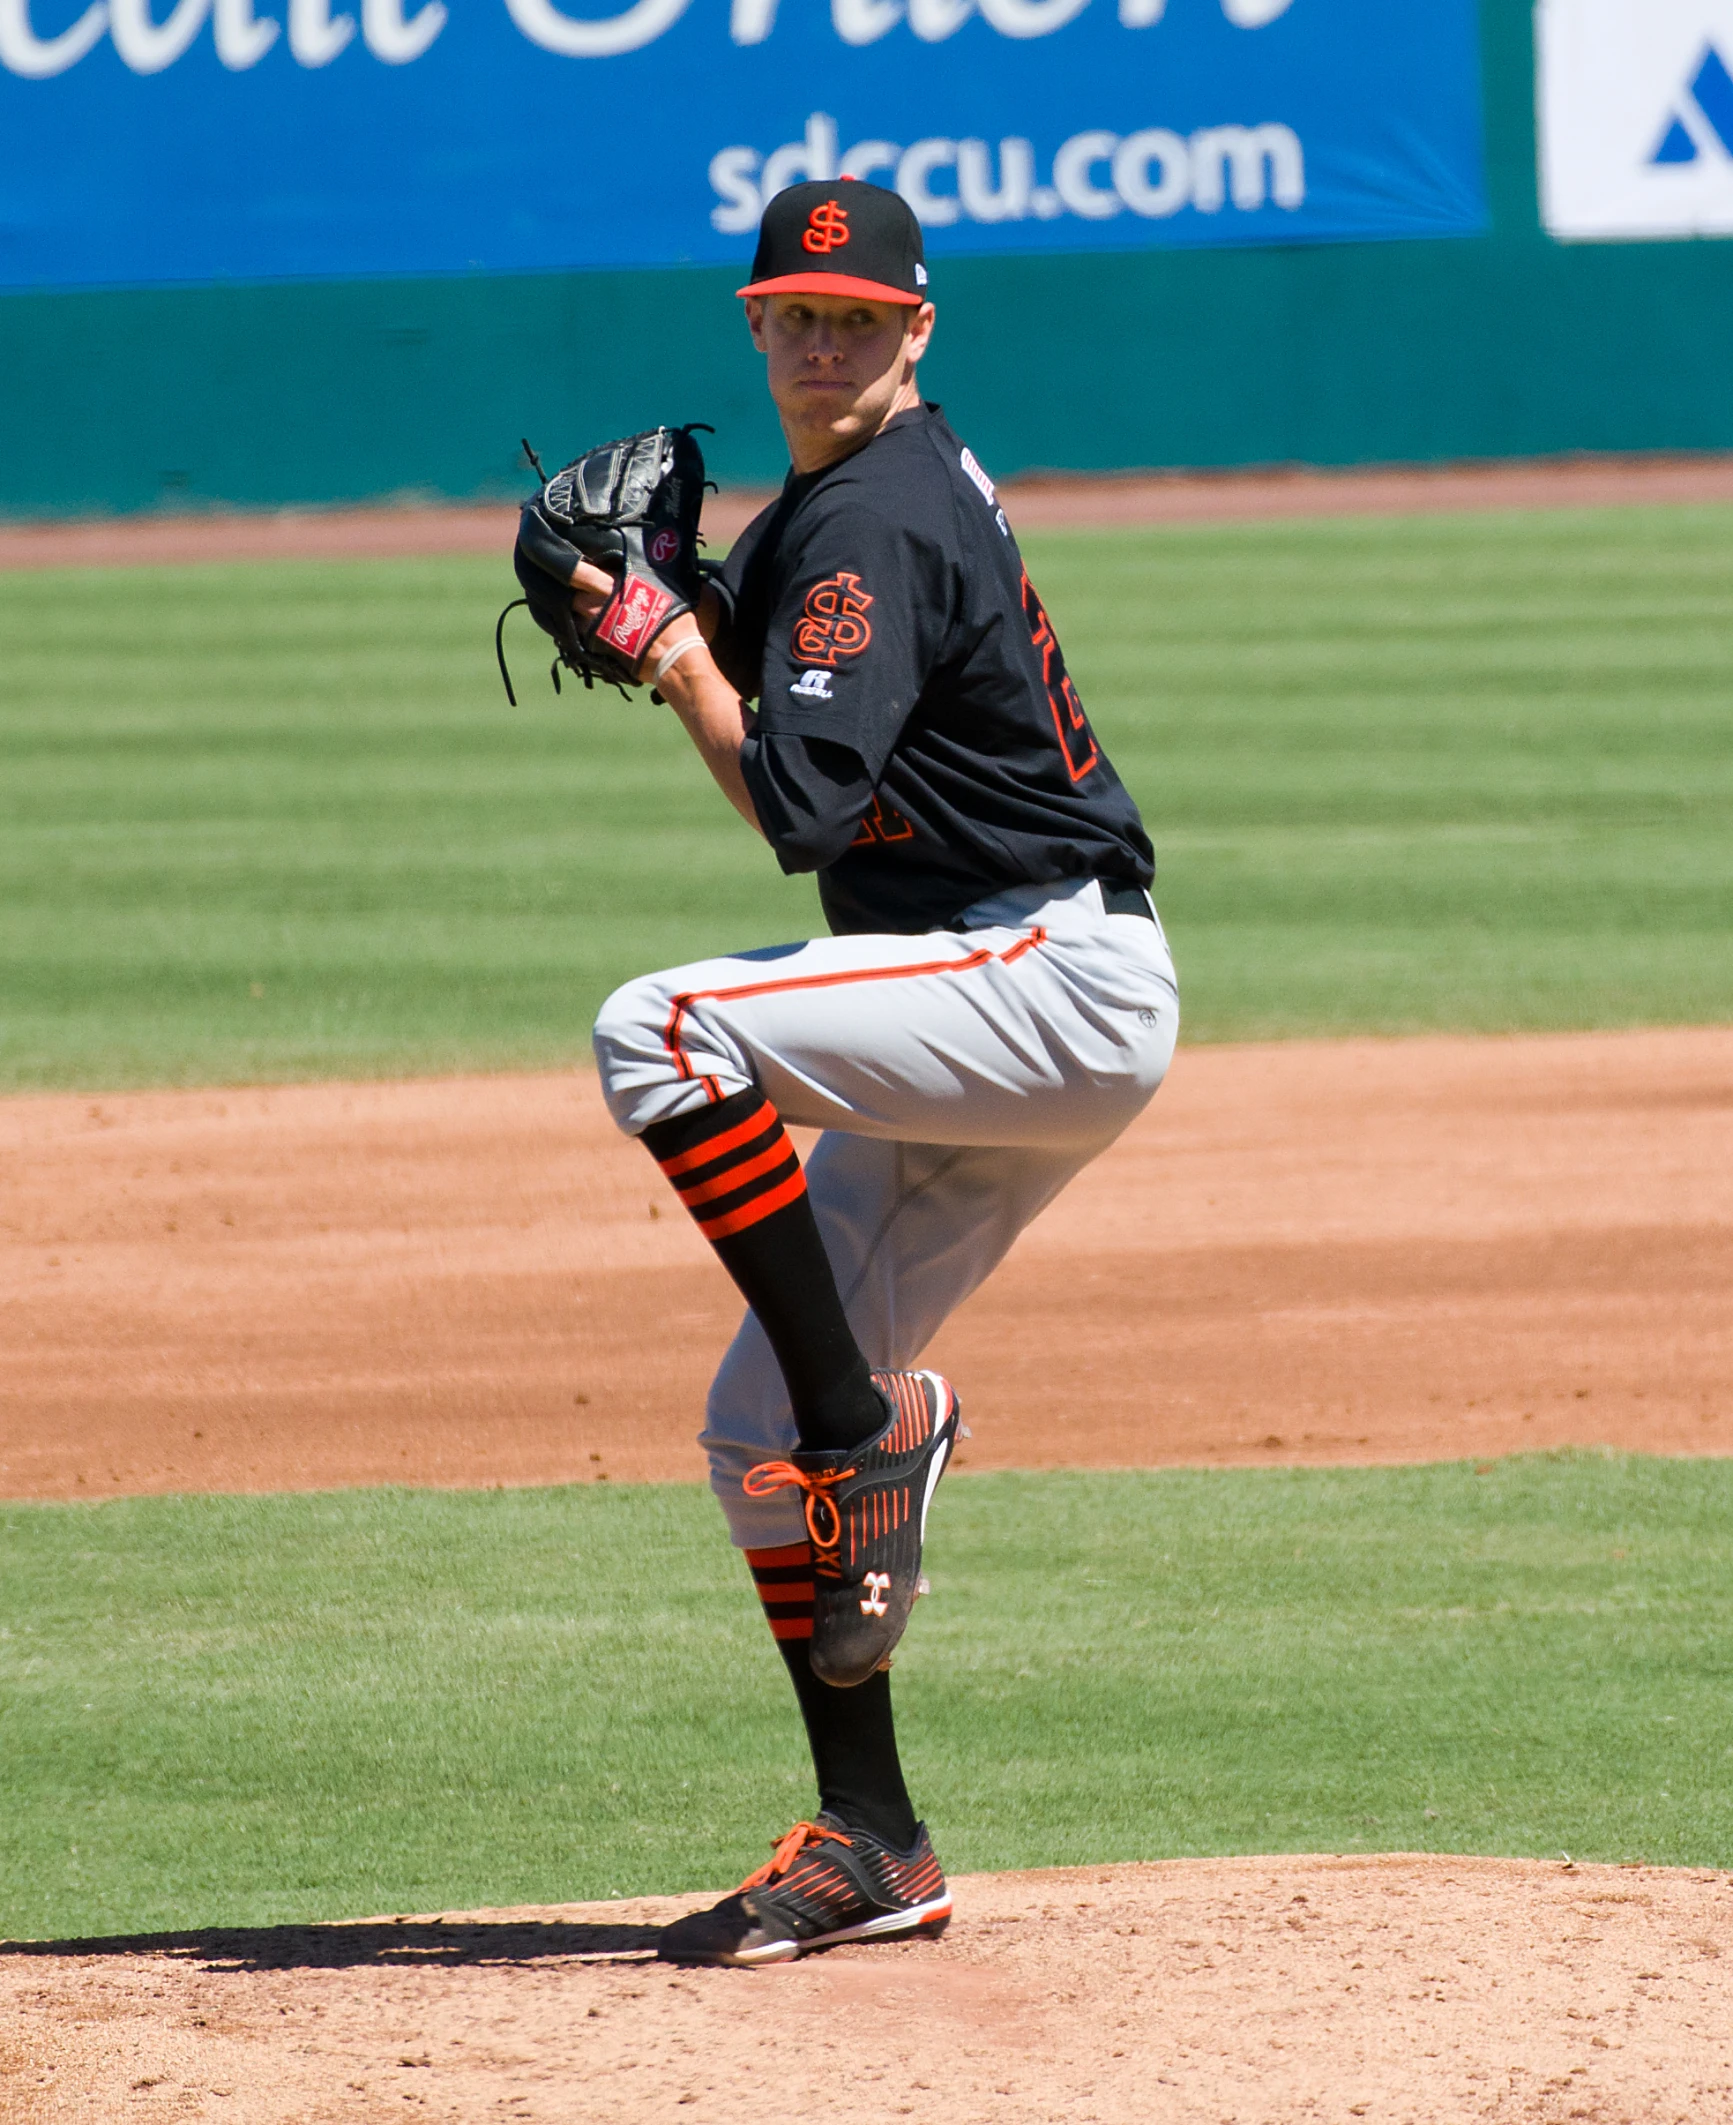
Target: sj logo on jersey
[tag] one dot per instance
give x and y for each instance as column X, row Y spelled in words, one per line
column 833, row 622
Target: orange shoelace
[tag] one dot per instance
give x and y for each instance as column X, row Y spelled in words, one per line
column 823, row 1521
column 789, row 1850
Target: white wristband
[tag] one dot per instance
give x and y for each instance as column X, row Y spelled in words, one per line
column 674, row 655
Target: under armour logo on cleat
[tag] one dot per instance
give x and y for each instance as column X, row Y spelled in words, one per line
column 873, row 1603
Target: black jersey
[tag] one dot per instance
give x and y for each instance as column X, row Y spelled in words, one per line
column 918, row 742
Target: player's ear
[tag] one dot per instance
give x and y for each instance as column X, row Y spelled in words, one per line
column 920, row 332
column 755, row 321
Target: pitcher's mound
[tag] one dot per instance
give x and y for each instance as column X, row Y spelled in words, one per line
column 1426, row 1990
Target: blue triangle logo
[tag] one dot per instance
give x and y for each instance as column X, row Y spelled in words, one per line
column 1712, row 87
column 1677, row 146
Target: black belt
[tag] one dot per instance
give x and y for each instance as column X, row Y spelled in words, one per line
column 1125, row 899
column 1116, row 899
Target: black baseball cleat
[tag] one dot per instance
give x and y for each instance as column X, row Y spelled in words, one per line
column 866, row 1512
column 826, row 1884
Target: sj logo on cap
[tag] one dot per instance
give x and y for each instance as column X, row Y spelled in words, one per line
column 826, row 227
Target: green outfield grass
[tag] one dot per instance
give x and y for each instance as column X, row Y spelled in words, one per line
column 269, row 822
column 245, row 1710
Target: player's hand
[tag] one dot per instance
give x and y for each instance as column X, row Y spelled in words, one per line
column 684, row 629
column 592, row 587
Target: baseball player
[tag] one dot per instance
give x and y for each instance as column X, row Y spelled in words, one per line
column 995, row 1004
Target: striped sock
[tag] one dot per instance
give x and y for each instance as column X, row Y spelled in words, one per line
column 783, row 1578
column 733, row 1180
column 851, row 1733
column 734, row 1168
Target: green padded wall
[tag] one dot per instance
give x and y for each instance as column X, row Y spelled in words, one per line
column 1507, row 345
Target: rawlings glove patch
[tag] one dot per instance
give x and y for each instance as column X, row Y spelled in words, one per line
column 630, row 508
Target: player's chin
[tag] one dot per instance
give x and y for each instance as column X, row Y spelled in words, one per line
column 840, row 418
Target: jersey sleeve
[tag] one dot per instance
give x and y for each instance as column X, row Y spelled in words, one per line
column 857, row 621
column 725, row 644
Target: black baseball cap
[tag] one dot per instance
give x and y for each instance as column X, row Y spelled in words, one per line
column 840, row 238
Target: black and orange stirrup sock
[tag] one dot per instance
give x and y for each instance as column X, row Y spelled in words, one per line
column 734, row 1168
column 851, row 1733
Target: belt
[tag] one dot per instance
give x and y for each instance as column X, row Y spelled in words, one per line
column 1125, row 899
column 1116, row 898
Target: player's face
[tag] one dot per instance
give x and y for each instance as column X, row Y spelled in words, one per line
column 839, row 367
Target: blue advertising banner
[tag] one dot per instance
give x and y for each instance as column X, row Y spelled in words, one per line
column 188, row 140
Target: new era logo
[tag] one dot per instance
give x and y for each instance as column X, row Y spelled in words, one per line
column 1702, row 120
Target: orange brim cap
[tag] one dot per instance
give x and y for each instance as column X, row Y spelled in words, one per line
column 831, row 284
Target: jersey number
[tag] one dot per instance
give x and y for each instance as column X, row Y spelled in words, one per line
column 1076, row 739
column 882, row 823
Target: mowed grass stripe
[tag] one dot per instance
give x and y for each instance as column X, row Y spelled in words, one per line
column 1467, row 773
column 247, row 1710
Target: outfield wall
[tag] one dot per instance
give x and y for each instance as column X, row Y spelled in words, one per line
column 1506, row 344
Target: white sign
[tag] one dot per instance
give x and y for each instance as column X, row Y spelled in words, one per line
column 1635, row 104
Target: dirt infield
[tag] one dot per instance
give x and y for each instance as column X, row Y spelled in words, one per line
column 1357, row 1250
column 1035, row 504
column 1400, row 1990
column 1363, row 1250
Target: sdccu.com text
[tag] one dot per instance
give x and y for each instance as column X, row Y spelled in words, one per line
column 1094, row 175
